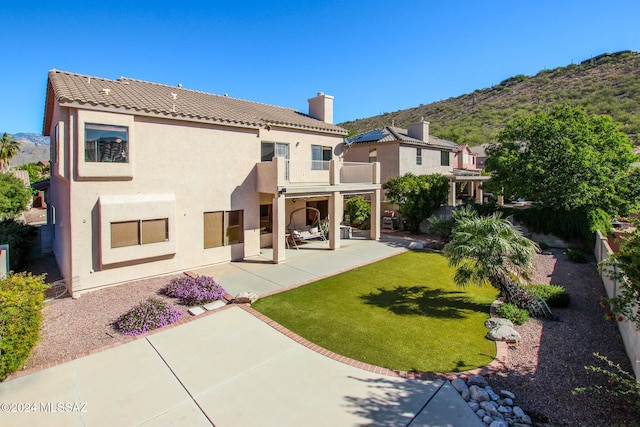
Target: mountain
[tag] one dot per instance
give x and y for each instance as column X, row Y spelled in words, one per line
column 36, row 138
column 605, row 84
column 33, row 148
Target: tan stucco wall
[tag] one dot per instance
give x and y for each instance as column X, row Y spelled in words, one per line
column 430, row 161
column 203, row 168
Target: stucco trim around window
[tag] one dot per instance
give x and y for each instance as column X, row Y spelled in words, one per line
column 92, row 168
column 132, row 208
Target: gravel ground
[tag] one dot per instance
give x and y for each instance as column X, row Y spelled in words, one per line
column 542, row 371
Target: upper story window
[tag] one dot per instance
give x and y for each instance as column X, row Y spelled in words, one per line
column 269, row 150
column 444, row 158
column 373, row 155
column 418, row 156
column 320, row 157
column 106, row 143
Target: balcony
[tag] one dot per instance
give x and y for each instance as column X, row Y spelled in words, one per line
column 298, row 176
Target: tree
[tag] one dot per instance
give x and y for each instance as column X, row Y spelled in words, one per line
column 417, row 196
column 358, row 210
column 9, row 147
column 14, row 196
column 490, row 249
column 566, row 162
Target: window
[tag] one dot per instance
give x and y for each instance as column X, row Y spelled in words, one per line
column 444, row 158
column 269, row 150
column 55, row 146
column 320, row 157
column 139, row 232
column 373, row 155
column 223, row 228
column 418, row 156
column 106, row 143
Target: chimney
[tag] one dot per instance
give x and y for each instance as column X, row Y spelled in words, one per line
column 321, row 107
column 419, row 130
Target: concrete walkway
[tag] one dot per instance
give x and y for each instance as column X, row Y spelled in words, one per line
column 228, row 368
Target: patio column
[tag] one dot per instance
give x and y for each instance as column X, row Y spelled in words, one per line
column 335, row 218
column 279, row 228
column 479, row 192
column 452, row 193
column 374, row 231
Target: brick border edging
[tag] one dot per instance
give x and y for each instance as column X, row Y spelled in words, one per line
column 498, row 363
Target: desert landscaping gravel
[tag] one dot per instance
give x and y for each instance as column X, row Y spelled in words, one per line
column 542, row 370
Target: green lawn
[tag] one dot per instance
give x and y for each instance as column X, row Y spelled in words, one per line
column 402, row 313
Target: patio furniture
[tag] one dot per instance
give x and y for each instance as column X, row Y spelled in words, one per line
column 301, row 233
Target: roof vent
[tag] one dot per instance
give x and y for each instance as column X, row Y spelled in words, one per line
column 174, row 96
column 106, row 91
column 179, row 84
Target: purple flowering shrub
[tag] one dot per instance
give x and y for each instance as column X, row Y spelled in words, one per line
column 147, row 316
column 194, row 291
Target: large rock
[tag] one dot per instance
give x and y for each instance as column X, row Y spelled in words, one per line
column 494, row 322
column 417, row 245
column 478, row 394
column 245, row 298
column 503, row 333
column 477, row 380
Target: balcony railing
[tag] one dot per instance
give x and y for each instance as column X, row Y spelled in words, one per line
column 282, row 172
column 357, row 173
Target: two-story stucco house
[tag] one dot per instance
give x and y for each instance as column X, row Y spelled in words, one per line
column 150, row 179
column 400, row 151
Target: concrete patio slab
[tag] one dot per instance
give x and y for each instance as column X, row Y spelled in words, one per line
column 126, row 385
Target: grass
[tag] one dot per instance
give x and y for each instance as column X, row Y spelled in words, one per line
column 402, row 313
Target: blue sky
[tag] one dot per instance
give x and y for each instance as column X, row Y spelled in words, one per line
column 372, row 56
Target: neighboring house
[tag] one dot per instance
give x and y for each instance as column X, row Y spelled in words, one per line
column 149, row 179
column 413, row 150
column 480, row 154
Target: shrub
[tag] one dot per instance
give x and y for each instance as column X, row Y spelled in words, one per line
column 14, row 196
column 575, row 255
column 555, row 296
column 440, row 226
column 358, row 210
column 147, row 316
column 21, row 239
column 194, row 291
column 621, row 383
column 510, row 311
column 21, row 298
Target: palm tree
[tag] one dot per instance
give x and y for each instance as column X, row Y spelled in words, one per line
column 491, row 249
column 8, row 149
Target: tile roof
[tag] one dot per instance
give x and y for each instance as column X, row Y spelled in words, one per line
column 393, row 134
column 154, row 99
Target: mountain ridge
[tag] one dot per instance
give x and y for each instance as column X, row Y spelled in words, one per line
column 605, row 84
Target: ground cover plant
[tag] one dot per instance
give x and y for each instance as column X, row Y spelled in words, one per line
column 194, row 291
column 404, row 312
column 554, row 295
column 147, row 316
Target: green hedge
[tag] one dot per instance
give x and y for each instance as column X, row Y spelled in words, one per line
column 21, row 299
column 21, row 239
column 555, row 296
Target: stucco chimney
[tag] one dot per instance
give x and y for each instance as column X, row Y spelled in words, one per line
column 419, row 130
column 321, row 107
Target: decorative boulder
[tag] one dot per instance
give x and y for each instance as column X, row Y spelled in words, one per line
column 245, row 298
column 494, row 322
column 503, row 333
column 417, row 245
